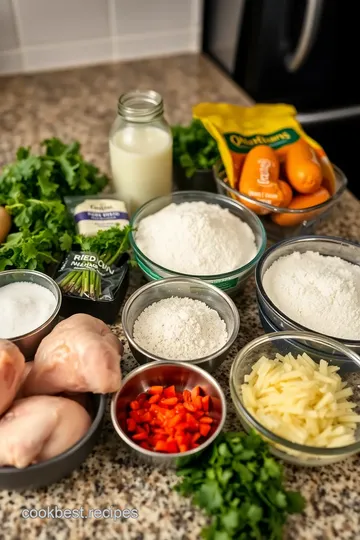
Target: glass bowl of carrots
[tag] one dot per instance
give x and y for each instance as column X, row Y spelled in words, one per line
column 166, row 413
column 282, row 222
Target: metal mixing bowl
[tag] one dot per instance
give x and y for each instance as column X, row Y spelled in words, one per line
column 183, row 287
column 166, row 374
column 28, row 343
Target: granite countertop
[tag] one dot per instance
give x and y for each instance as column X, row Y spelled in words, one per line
column 81, row 104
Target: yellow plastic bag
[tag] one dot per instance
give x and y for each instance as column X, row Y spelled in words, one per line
column 238, row 130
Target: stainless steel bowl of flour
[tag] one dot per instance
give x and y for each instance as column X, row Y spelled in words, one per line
column 312, row 283
column 181, row 319
column 198, row 234
column 30, row 303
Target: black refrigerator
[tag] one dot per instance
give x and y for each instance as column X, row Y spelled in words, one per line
column 303, row 52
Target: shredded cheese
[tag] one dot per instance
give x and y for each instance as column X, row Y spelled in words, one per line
column 302, row 401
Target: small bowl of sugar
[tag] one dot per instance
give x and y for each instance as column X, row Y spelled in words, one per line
column 30, row 302
column 181, row 319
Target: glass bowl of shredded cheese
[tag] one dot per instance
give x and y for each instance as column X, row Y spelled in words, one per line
column 308, row 409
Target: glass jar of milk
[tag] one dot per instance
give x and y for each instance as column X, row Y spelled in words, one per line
column 141, row 149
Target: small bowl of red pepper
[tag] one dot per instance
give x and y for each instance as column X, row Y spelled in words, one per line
column 166, row 413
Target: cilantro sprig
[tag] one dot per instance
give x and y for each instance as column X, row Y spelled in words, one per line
column 241, row 486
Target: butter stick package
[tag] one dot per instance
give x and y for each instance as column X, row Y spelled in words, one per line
column 300, row 160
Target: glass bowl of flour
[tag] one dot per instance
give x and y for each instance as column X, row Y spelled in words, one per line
column 312, row 283
column 198, row 234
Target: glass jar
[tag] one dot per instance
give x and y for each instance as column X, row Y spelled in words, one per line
column 141, row 149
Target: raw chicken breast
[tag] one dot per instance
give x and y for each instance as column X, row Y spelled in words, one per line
column 40, row 427
column 80, row 355
column 12, row 366
column 27, row 369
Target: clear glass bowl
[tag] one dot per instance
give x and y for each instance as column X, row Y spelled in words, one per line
column 311, row 216
column 232, row 282
column 283, row 343
column 325, row 245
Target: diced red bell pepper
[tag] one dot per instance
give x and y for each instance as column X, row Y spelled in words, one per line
column 164, row 420
column 171, row 447
column 140, row 436
column 161, row 446
column 198, row 403
column 206, row 420
column 156, row 390
column 189, row 406
column 131, row 424
column 175, row 420
column 183, row 447
column 206, row 403
column 154, row 399
column 134, row 405
column 169, row 392
column 169, row 401
column 146, row 417
column 204, row 429
column 135, row 416
column 192, row 423
column 195, row 392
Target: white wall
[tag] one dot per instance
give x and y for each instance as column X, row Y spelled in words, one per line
column 38, row 35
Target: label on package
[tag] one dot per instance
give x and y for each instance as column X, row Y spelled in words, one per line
column 93, row 215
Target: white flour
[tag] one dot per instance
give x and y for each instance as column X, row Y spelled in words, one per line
column 196, row 238
column 180, row 329
column 24, row 307
column 319, row 292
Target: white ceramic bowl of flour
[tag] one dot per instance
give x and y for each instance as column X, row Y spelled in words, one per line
column 198, row 234
column 30, row 302
column 312, row 283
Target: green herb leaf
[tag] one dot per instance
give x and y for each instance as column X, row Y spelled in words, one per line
column 209, row 496
column 240, row 485
column 194, row 148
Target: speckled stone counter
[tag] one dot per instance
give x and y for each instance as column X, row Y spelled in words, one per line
column 81, row 104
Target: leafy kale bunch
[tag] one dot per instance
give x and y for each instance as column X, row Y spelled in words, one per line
column 241, row 486
column 194, row 148
column 32, row 190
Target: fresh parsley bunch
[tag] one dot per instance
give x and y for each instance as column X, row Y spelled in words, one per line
column 32, row 190
column 194, row 148
column 240, row 485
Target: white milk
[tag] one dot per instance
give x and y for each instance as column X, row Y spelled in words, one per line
column 141, row 164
